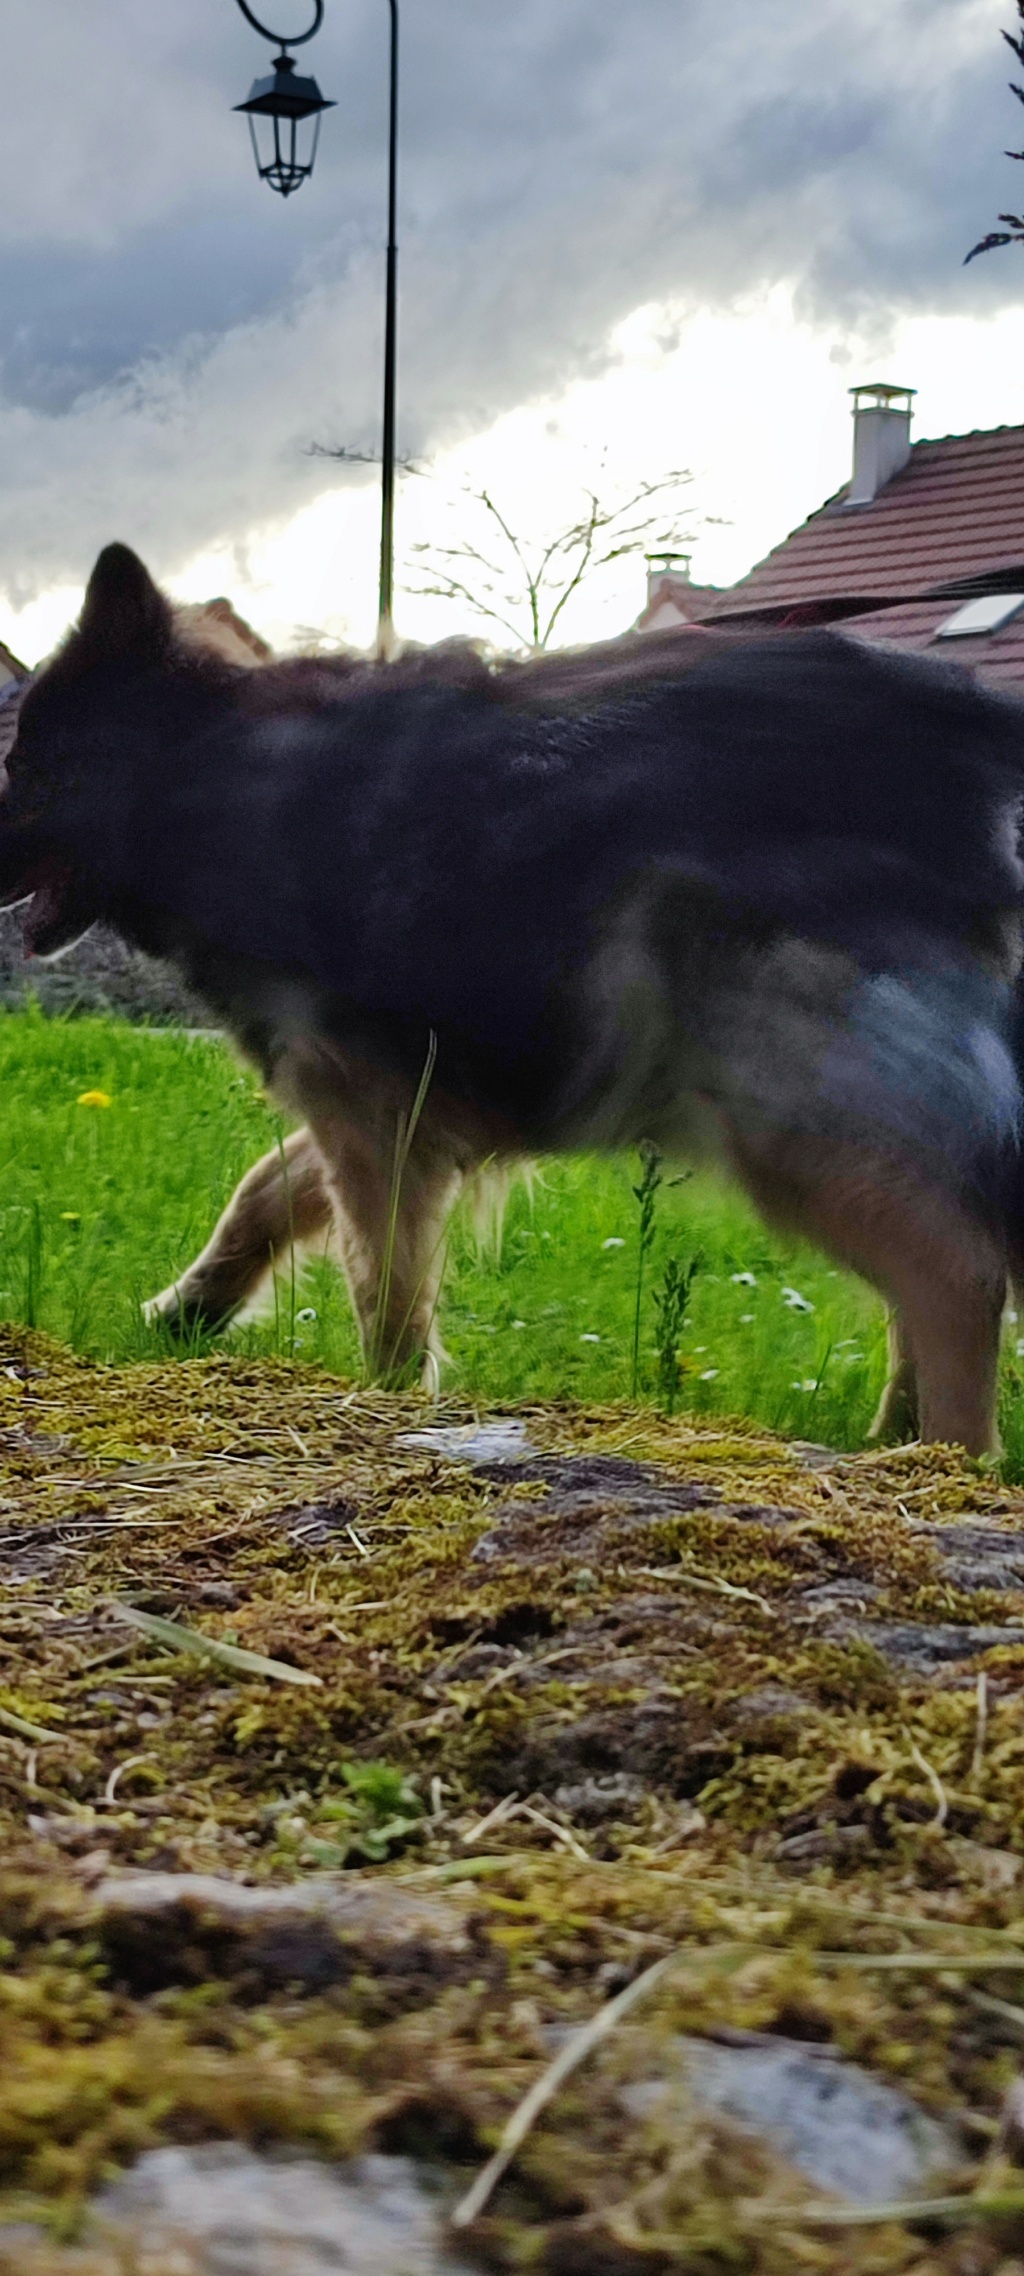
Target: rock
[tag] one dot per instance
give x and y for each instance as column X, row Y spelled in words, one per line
column 172, row 1928
column 595, row 1800
column 840, row 2128
column 928, row 1648
column 504, row 1440
column 223, row 2211
column 977, row 1556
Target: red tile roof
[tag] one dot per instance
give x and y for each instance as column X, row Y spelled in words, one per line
column 950, row 524
column 955, row 511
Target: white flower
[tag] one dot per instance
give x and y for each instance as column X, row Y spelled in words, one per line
column 517, row 1323
column 794, row 1302
column 1020, row 1347
column 302, row 1318
column 590, row 1339
column 809, row 1384
column 743, row 1279
column 613, row 1242
column 708, row 1374
column 746, row 1319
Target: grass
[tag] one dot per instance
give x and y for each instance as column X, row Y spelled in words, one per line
column 100, row 1204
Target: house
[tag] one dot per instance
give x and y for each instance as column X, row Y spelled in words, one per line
column 922, row 548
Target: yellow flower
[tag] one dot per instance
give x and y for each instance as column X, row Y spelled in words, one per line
column 93, row 1098
column 71, row 1217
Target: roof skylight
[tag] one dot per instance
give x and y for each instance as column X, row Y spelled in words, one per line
column 985, row 615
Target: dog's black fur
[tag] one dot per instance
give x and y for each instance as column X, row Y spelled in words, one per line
column 774, row 881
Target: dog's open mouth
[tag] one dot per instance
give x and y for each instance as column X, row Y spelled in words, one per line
column 43, row 893
column 45, row 908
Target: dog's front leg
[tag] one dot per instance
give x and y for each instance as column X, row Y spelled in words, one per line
column 390, row 1235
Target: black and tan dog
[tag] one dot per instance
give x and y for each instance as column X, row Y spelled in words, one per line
column 755, row 897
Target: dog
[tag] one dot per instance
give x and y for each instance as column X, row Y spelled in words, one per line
column 758, row 898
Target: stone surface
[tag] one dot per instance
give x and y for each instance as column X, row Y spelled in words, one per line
column 228, row 2212
column 166, row 1928
column 504, row 1440
column 843, row 2130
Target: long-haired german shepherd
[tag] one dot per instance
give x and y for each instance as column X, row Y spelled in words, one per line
column 758, row 896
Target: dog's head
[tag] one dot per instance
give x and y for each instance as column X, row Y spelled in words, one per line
column 128, row 639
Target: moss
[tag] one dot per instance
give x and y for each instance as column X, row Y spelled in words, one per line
column 276, row 1508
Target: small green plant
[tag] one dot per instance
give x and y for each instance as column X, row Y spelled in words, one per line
column 670, row 1301
column 646, row 1196
column 377, row 1814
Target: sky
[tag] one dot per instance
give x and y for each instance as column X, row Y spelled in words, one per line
column 660, row 236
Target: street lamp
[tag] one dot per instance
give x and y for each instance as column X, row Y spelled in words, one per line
column 279, row 109
column 288, row 102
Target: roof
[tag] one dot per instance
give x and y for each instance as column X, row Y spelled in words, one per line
column 219, row 626
column 951, row 519
column 948, row 526
column 11, row 667
column 673, row 600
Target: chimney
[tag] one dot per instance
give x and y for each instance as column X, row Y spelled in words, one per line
column 881, row 437
column 662, row 565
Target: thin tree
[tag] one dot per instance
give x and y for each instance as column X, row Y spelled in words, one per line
column 522, row 586
column 1013, row 233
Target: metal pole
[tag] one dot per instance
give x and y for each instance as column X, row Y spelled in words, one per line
column 385, row 620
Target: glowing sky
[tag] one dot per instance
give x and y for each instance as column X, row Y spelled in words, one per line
column 631, row 240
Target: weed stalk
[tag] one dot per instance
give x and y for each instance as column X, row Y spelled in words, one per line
column 670, row 1302
column 646, row 1195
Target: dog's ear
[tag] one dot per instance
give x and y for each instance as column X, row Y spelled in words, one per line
column 124, row 615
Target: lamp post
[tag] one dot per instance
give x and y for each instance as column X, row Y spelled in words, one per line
column 278, row 109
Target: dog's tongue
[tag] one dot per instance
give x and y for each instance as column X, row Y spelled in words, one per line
column 44, row 908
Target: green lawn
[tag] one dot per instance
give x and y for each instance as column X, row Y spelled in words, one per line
column 101, row 1204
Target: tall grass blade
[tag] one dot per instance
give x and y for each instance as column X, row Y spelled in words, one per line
column 179, row 1639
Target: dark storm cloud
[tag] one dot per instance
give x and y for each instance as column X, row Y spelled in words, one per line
column 174, row 335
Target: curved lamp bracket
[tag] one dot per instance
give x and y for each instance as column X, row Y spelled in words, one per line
column 284, row 39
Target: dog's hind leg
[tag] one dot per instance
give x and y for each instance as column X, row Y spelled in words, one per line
column 283, row 1199
column 897, row 1418
column 929, row 1255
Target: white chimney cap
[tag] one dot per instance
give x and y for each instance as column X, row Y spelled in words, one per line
column 884, row 393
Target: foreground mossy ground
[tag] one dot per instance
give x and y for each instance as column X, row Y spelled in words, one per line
column 790, row 1806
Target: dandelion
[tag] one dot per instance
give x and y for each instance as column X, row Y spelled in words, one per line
column 613, row 1242
column 794, row 1302
column 590, row 1339
column 93, row 1098
column 708, row 1374
column 303, row 1318
column 743, row 1279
